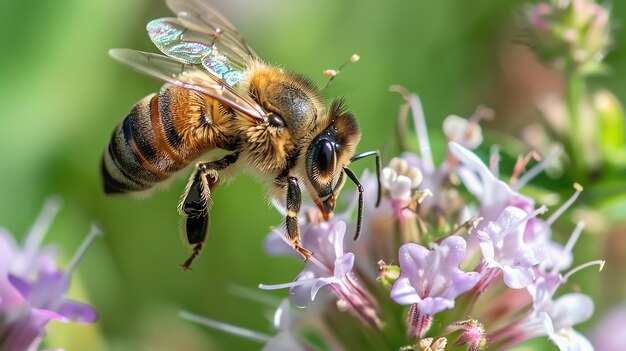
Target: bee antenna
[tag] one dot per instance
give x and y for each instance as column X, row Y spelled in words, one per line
column 332, row 73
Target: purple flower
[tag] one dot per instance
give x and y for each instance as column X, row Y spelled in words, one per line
column 32, row 287
column 555, row 318
column 503, row 247
column 432, row 279
column 329, row 265
column 492, row 193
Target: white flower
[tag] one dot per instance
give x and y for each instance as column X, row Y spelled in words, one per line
column 400, row 179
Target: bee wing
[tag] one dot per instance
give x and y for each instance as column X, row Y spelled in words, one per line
column 189, row 76
column 214, row 52
column 198, row 15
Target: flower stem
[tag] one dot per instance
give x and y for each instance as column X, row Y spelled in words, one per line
column 574, row 93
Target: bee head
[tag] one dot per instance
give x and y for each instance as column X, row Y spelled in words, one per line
column 328, row 154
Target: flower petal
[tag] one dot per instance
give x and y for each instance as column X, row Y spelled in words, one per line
column 343, row 265
column 571, row 340
column 571, row 309
column 301, row 295
column 401, row 188
column 517, row 277
column 432, row 305
column 78, row 312
column 403, row 293
column 336, row 236
column 321, row 282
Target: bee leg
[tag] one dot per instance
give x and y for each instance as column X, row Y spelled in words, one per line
column 294, row 200
column 196, row 202
column 378, row 169
column 359, row 217
column 355, row 180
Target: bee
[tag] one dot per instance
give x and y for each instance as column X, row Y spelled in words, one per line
column 219, row 94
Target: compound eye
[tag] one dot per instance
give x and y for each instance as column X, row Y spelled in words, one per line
column 276, row 120
column 324, row 156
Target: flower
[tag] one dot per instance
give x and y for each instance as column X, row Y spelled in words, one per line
column 432, row 279
column 400, row 179
column 503, row 247
column 32, row 287
column 473, row 334
column 466, row 132
column 492, row 193
column 562, row 314
column 330, row 266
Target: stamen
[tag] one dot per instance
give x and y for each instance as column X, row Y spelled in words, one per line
column 41, row 226
column 565, row 205
column 225, row 327
column 570, row 243
column 93, row 232
column 583, row 266
column 468, row 225
column 521, row 164
column 538, row 168
column 535, row 213
column 420, row 126
column 285, row 285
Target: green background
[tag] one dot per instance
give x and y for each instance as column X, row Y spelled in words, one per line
column 61, row 96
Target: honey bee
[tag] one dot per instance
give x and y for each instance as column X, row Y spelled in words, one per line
column 220, row 95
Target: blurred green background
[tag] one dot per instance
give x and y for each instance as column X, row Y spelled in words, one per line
column 61, row 96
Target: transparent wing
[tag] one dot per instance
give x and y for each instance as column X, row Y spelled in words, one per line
column 198, row 15
column 188, row 76
column 175, row 40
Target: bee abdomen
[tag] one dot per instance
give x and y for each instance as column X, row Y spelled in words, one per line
column 138, row 156
column 162, row 135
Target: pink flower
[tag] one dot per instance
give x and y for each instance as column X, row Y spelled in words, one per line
column 330, row 265
column 492, row 193
column 503, row 247
column 432, row 279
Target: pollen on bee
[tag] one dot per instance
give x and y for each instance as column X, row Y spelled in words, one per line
column 330, row 73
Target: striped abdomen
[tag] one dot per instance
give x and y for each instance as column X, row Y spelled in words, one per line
column 162, row 134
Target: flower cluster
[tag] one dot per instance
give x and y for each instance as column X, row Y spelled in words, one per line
column 570, row 35
column 467, row 244
column 32, row 286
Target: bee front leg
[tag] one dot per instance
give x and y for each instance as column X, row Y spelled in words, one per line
column 196, row 202
column 294, row 200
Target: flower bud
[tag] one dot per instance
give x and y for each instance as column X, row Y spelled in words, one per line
column 569, row 35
